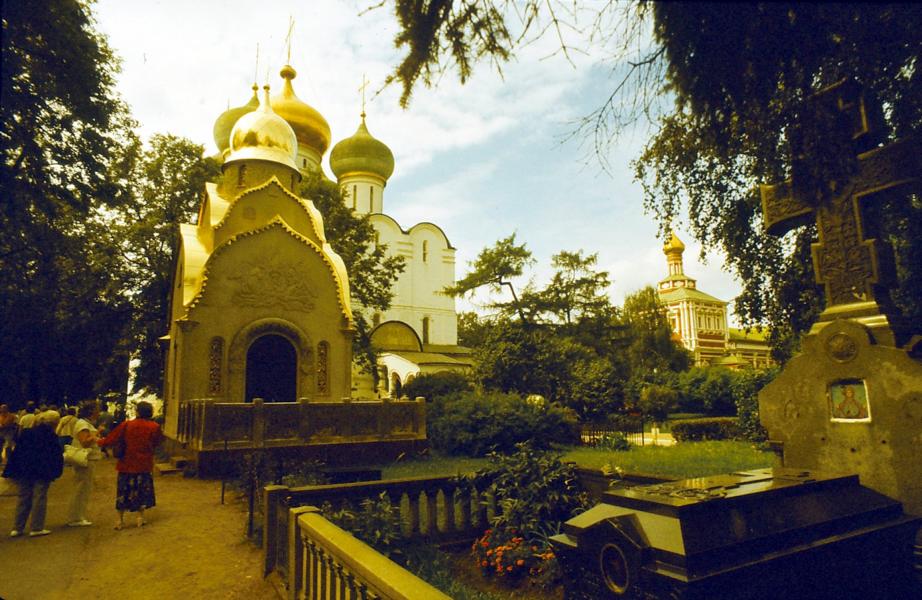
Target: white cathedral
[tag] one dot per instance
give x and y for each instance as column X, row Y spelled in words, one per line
column 419, row 333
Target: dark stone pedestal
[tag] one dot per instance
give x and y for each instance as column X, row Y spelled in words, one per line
column 765, row 533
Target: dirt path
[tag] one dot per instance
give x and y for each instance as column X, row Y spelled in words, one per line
column 193, row 547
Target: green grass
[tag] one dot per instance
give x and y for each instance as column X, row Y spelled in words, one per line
column 434, row 466
column 688, row 459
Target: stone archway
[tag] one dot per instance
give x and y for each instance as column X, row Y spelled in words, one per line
column 248, row 336
column 271, row 370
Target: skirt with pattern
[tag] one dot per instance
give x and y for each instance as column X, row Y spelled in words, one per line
column 135, row 491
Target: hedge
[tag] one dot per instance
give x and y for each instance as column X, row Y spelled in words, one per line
column 713, row 428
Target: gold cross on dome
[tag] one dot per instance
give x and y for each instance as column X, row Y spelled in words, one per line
column 362, row 89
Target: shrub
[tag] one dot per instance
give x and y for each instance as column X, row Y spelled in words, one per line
column 747, row 401
column 437, row 385
column 476, row 424
column 657, row 400
column 376, row 522
column 535, row 492
column 714, row 428
column 616, row 441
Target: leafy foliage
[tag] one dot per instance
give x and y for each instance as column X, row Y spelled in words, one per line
column 494, row 268
column 476, row 424
column 437, row 385
column 700, row 430
column 62, row 310
column 167, row 178
column 724, row 87
column 376, row 522
column 535, row 493
column 652, row 348
column 657, row 401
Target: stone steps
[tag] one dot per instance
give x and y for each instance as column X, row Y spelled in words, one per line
column 176, row 464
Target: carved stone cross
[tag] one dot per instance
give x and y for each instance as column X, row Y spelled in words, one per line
column 845, row 263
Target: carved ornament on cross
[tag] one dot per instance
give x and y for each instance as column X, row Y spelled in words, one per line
column 844, row 261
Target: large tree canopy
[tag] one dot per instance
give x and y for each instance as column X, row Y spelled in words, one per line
column 62, row 313
column 736, row 79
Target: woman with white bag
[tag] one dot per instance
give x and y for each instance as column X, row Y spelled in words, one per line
column 85, row 436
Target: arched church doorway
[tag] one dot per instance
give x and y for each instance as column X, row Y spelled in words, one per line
column 272, row 367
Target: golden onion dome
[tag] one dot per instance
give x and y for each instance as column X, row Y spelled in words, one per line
column 311, row 128
column 674, row 244
column 263, row 135
column 227, row 120
column 362, row 153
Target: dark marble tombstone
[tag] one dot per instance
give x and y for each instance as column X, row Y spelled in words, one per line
column 755, row 534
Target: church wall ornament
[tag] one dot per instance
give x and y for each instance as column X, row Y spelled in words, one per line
column 215, row 365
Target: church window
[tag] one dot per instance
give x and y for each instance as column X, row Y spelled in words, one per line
column 425, row 251
column 241, row 175
column 303, row 162
column 371, row 199
column 355, row 196
column 426, row 330
column 323, row 351
column 215, row 364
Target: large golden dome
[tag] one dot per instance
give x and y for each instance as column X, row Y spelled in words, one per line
column 309, row 125
column 263, row 135
column 227, row 120
column 362, row 153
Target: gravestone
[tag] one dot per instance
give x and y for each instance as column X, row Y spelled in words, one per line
column 845, row 416
column 766, row 534
column 851, row 402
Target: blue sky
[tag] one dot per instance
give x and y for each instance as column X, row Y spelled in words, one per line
column 481, row 160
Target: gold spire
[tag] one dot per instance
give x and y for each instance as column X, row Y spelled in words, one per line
column 362, row 89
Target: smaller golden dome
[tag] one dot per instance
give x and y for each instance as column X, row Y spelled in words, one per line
column 309, row 125
column 674, row 244
column 362, row 153
column 227, row 120
column 263, row 135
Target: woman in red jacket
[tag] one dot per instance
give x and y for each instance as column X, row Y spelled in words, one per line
column 135, row 490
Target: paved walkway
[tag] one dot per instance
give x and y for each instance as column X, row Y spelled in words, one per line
column 193, row 547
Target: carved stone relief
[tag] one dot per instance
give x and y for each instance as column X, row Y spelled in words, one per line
column 273, row 283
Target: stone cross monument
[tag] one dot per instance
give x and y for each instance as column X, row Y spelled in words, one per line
column 851, row 402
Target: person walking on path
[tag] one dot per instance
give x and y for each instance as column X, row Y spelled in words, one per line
column 35, row 462
column 85, row 436
column 135, row 488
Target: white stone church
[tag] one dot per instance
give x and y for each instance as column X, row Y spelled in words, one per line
column 419, row 333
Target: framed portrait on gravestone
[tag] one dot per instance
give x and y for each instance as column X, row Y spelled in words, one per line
column 848, row 400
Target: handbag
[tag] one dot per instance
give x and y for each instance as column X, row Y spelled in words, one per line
column 118, row 448
column 76, row 456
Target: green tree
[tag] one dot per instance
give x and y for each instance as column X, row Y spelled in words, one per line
column 723, row 85
column 371, row 272
column 652, row 347
column 63, row 310
column 167, row 177
column 494, row 268
column 656, row 401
